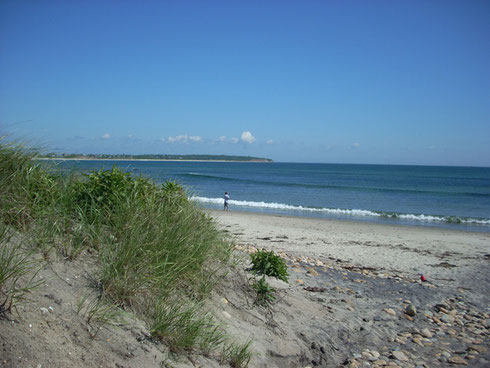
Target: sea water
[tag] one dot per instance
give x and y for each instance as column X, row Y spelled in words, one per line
column 441, row 196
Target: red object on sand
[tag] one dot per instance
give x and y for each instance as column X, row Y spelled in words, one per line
column 422, row 277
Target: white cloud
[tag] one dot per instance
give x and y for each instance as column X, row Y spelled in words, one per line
column 221, row 139
column 106, row 136
column 270, row 141
column 184, row 139
column 234, row 140
column 248, row 137
column 355, row 145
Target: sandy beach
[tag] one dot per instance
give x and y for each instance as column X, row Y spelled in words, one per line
column 355, row 297
column 436, row 253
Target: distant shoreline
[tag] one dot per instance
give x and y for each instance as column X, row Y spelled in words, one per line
column 143, row 159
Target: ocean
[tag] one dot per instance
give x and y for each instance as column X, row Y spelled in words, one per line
column 437, row 196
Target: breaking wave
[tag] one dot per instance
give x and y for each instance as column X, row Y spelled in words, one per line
column 346, row 212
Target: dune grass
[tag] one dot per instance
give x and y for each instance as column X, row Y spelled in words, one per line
column 159, row 255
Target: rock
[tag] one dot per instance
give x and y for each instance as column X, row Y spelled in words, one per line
column 399, row 355
column 418, row 341
column 226, row 314
column 315, row 289
column 447, row 318
column 426, row 333
column 441, row 306
column 44, row 310
column 411, row 310
column 299, row 281
column 311, row 271
column 457, row 360
column 478, row 348
column 367, row 355
column 390, row 311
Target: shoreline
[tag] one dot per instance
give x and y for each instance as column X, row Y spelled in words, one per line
column 356, row 296
column 409, row 250
column 142, row 160
column 366, row 221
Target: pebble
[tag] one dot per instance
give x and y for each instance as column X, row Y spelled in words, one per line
column 478, row 348
column 399, row 355
column 411, row 310
column 418, row 341
column 447, row 318
column 457, row 360
column 390, row 311
column 311, row 271
column 426, row 333
column 226, row 314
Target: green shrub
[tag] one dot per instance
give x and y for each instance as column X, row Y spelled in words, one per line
column 270, row 264
column 159, row 256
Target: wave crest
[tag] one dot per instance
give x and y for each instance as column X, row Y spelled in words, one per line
column 346, row 212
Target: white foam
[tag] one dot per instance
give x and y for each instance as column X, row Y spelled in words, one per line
column 282, row 206
column 340, row 211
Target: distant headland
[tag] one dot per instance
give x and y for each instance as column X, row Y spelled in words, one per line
column 149, row 157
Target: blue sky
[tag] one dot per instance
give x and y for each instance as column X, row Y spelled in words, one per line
column 396, row 82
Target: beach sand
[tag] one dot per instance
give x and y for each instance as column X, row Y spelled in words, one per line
column 434, row 252
column 351, row 284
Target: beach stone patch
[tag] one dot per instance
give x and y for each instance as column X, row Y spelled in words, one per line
column 421, row 338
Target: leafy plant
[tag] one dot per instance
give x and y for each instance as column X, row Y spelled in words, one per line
column 270, row 264
column 265, row 292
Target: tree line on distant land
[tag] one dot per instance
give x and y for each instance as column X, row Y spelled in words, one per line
column 155, row 157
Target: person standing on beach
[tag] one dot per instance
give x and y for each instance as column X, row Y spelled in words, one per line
column 227, row 198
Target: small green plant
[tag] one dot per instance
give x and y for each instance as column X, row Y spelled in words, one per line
column 17, row 273
column 270, row 264
column 238, row 355
column 97, row 313
column 183, row 327
column 264, row 292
